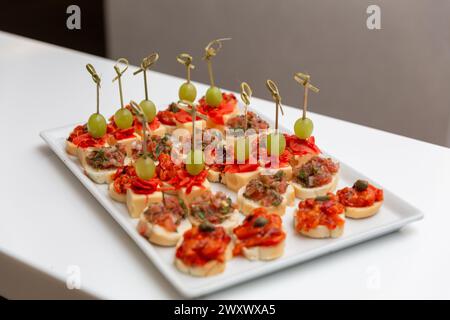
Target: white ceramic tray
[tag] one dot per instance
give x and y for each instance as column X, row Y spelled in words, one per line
column 394, row 214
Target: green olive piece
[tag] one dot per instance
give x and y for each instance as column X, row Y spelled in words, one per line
column 260, row 222
column 206, row 227
column 361, row 185
column 323, row 198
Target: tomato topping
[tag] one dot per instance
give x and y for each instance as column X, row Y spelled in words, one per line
column 316, row 172
column 167, row 117
column 122, row 178
column 167, row 214
column 350, row 197
column 244, row 167
column 299, row 146
column 86, row 140
column 77, row 131
column 200, row 247
column 141, row 186
column 314, row 212
column 212, row 207
column 154, row 124
column 183, row 116
column 177, row 176
column 259, row 229
column 227, row 106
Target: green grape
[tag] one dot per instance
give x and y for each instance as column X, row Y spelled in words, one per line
column 149, row 109
column 277, row 138
column 187, row 92
column 303, row 128
column 213, row 96
column 195, row 162
column 242, row 149
column 96, row 125
column 145, row 167
column 123, row 118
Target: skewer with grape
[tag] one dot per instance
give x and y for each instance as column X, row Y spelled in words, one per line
column 123, row 118
column 276, row 138
column 304, row 126
column 96, row 124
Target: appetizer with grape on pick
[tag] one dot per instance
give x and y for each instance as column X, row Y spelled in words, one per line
column 320, row 217
column 122, row 129
column 153, row 125
column 316, row 177
column 94, row 132
column 204, row 250
column 275, row 157
column 144, row 186
column 218, row 106
column 362, row 200
column 165, row 222
column 215, row 208
column 271, row 191
column 302, row 145
column 260, row 236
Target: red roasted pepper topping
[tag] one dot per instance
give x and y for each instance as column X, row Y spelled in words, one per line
column 259, row 229
column 82, row 139
column 227, row 106
column 167, row 214
column 122, row 178
column 320, row 211
column 351, row 197
column 199, row 247
column 141, row 186
column 301, row 147
column 177, row 176
column 281, row 162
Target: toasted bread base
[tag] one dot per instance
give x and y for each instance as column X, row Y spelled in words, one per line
column 100, row 176
column 160, row 236
column 264, row 252
column 199, row 124
column 365, row 212
column 215, row 176
column 71, row 148
column 299, row 160
column 322, row 232
column 211, row 268
column 235, row 181
column 119, row 197
column 169, row 129
column 195, row 192
column 246, row 206
column 286, row 170
column 306, row 193
column 229, row 224
column 137, row 203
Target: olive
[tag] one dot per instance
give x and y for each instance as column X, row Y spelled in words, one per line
column 361, row 185
column 206, row 227
column 323, row 198
column 260, row 222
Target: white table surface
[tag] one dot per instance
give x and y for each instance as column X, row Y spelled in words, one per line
column 49, row 222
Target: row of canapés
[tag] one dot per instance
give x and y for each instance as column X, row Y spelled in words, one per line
column 173, row 200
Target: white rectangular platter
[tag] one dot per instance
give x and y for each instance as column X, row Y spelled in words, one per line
column 394, row 214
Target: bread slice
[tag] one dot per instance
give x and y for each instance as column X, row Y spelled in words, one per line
column 322, row 232
column 160, row 131
column 229, row 224
column 299, row 160
column 306, row 193
column 215, row 176
column 264, row 252
column 364, row 212
column 100, row 176
column 160, row 236
column 169, row 128
column 71, row 148
column 246, row 206
column 199, row 124
column 119, row 197
column 287, row 170
column 137, row 203
column 195, row 192
column 211, row 268
column 235, row 181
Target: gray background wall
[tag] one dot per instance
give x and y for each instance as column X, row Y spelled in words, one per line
column 395, row 79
